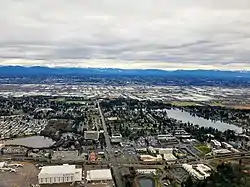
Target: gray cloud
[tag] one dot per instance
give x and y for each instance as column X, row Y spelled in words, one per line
column 166, row 34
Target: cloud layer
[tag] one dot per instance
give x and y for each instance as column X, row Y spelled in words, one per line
column 164, row 34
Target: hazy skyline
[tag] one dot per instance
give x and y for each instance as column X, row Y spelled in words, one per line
column 161, row 34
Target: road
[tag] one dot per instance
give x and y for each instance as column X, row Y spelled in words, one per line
column 110, row 152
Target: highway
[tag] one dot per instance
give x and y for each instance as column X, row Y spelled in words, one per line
column 110, row 152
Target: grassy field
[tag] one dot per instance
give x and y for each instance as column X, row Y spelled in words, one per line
column 204, row 149
column 76, row 102
column 183, row 103
column 60, row 99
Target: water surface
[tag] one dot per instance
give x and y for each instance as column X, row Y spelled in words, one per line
column 146, row 182
column 186, row 117
column 32, row 141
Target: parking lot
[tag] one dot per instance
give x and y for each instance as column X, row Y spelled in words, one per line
column 179, row 173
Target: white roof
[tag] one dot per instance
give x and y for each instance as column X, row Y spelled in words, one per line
column 60, row 169
column 97, row 175
column 222, row 151
column 169, row 157
column 165, row 150
column 2, row 164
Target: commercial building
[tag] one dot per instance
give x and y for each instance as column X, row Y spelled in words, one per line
column 146, row 171
column 220, row 151
column 59, row 174
column 215, row 143
column 99, row 175
column 149, row 158
column 116, row 138
column 91, row 135
column 167, row 154
column 167, row 138
column 226, row 145
column 199, row 171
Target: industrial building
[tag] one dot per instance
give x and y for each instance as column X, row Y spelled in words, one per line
column 100, row 175
column 149, row 158
column 220, row 151
column 167, row 138
column 199, row 171
column 167, row 154
column 215, row 143
column 226, row 145
column 146, row 171
column 59, row 174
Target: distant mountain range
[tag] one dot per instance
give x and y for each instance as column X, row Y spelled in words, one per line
column 46, row 71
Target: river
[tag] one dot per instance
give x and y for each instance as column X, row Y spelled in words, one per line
column 31, row 141
column 186, row 117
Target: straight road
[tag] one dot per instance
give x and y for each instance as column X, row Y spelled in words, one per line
column 109, row 151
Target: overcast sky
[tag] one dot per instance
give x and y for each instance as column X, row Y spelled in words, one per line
column 162, row 34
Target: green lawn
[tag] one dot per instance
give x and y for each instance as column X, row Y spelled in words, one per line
column 204, row 149
column 183, row 103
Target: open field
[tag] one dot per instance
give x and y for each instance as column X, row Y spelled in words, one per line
column 204, row 149
column 183, row 103
column 25, row 176
column 246, row 107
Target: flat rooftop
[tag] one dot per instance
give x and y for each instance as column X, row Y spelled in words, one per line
column 99, row 175
column 60, row 169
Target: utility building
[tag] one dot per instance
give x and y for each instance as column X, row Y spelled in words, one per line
column 59, row 174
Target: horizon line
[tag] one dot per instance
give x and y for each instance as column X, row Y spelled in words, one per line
column 79, row 67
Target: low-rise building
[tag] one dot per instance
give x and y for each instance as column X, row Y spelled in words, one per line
column 182, row 134
column 226, row 145
column 167, row 138
column 199, row 171
column 220, row 151
column 146, row 171
column 99, row 175
column 59, row 174
column 215, row 143
column 116, row 138
column 149, row 158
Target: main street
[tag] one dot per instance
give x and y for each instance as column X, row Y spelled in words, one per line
column 109, row 151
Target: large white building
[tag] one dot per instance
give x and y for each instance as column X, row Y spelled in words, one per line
column 59, row 174
column 215, row 143
column 99, row 175
column 117, row 138
column 199, row 171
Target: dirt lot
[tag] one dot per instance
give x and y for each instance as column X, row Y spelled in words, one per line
column 24, row 177
column 245, row 107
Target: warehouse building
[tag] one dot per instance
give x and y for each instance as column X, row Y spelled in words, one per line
column 215, row 143
column 59, row 174
column 199, row 171
column 100, row 175
column 168, row 155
